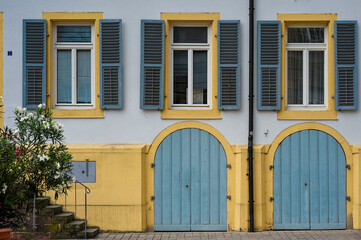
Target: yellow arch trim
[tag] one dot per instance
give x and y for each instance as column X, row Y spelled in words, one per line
column 150, row 171
column 309, row 126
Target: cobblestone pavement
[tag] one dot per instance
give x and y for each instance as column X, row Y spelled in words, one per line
column 267, row 235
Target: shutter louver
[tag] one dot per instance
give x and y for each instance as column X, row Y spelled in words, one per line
column 346, row 65
column 269, row 65
column 34, row 63
column 229, row 65
column 152, row 64
column 111, row 82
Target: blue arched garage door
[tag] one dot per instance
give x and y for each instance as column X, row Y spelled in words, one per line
column 190, row 183
column 309, row 182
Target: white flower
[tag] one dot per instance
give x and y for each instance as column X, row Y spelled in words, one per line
column 30, row 115
column 42, row 105
column 73, row 179
column 56, row 176
column 57, row 165
column 43, row 157
column 4, row 188
column 1, row 99
column 16, row 132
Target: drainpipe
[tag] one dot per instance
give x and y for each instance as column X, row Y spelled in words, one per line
column 250, row 116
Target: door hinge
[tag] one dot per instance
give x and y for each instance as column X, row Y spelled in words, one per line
column 348, row 166
column 271, row 167
column 348, row 198
column 152, row 198
column 271, row 199
column 229, row 166
column 229, row 197
column 152, row 165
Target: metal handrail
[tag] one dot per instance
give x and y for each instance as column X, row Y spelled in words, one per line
column 86, row 192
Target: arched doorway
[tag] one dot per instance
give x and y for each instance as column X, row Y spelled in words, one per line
column 309, row 182
column 190, row 183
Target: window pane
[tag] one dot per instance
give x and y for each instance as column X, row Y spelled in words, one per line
column 64, row 76
column 306, row 35
column 199, row 77
column 83, row 76
column 180, row 77
column 74, row 34
column 190, row 35
column 294, row 77
column 316, row 77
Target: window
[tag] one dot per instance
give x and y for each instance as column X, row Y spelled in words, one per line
column 306, row 50
column 73, row 64
column 307, row 66
column 190, row 65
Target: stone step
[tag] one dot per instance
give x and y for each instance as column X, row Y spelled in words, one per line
column 62, row 218
column 75, row 226
column 91, row 233
column 50, row 210
column 42, row 202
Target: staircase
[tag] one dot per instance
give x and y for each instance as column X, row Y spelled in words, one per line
column 51, row 218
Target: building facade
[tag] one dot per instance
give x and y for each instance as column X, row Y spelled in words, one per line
column 153, row 96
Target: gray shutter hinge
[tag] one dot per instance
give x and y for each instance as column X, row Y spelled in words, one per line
column 47, row 94
column 271, row 167
column 333, row 96
column 271, row 199
column 165, row 95
column 165, row 35
column 229, row 166
column 152, row 165
column 333, row 35
column 98, row 34
column 348, row 198
column 229, row 197
column 216, row 35
column 152, row 198
column 216, row 96
column 47, row 34
column 282, row 35
column 348, row 166
column 98, row 95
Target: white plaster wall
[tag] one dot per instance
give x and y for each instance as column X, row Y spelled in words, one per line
column 131, row 125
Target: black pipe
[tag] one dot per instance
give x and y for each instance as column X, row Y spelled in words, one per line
column 250, row 116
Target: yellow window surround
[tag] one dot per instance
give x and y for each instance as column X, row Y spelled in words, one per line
column 167, row 112
column 93, row 17
column 330, row 113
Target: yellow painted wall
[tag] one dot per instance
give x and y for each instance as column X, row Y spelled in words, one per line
column 117, row 199
column 120, row 200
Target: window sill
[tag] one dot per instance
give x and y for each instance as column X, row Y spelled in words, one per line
column 307, row 115
column 191, row 114
column 78, row 113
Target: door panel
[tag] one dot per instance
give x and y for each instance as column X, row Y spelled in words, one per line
column 190, row 183
column 309, row 182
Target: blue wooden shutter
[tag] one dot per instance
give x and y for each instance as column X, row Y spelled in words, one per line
column 229, row 76
column 346, row 65
column 269, row 65
column 34, row 63
column 111, row 77
column 152, row 64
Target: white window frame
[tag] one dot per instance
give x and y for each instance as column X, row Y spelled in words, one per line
column 73, row 46
column 306, row 48
column 190, row 47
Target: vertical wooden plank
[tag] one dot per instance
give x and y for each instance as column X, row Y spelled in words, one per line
column 214, row 181
column 286, row 183
column 205, row 180
column 333, row 179
column 158, row 186
column 323, row 176
column 196, row 139
column 176, row 177
column 341, row 168
column 223, row 186
column 305, row 177
column 295, row 178
column 167, row 181
column 314, row 178
column 277, row 188
column 186, row 165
